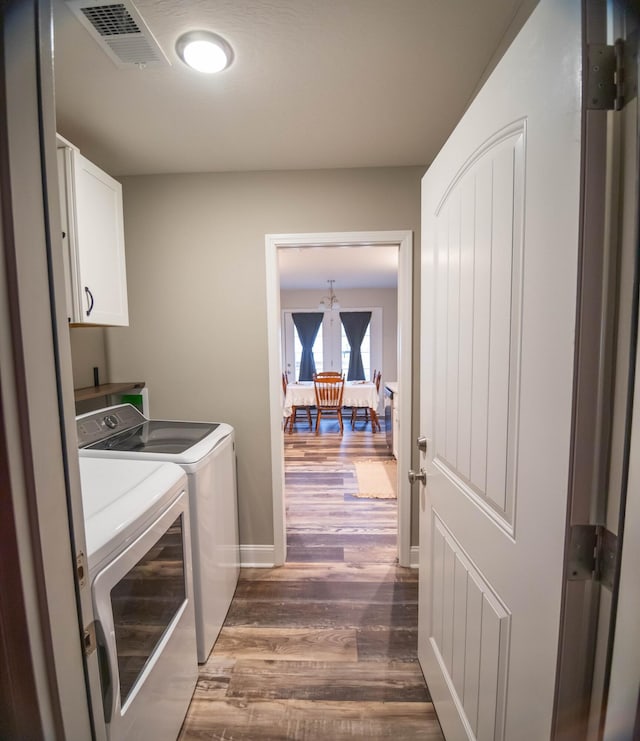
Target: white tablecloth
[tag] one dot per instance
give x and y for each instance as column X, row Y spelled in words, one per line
column 356, row 394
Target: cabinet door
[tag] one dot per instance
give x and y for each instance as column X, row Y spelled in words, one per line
column 66, row 199
column 101, row 284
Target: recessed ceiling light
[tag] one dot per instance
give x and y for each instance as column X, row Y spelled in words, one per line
column 204, row 51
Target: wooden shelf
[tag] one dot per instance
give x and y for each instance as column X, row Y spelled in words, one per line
column 106, row 389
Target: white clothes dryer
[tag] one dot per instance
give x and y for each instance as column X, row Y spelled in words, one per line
column 139, row 560
column 206, row 452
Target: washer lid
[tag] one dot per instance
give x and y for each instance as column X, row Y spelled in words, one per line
column 157, row 436
column 121, row 497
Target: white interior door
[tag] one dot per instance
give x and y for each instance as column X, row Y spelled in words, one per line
column 499, row 272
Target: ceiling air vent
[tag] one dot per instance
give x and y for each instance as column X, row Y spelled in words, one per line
column 120, row 32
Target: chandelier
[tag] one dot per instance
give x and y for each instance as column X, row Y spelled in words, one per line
column 330, row 302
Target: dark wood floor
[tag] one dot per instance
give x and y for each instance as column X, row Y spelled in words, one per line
column 323, row 648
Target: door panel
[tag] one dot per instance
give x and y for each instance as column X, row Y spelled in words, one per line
column 478, row 278
column 499, row 275
column 470, row 635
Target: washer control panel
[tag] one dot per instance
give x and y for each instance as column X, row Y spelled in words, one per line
column 96, row 426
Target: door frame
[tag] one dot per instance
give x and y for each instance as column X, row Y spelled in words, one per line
column 41, row 483
column 606, row 335
column 617, row 707
column 403, row 239
column 621, row 707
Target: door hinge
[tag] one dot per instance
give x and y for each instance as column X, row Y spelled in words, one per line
column 593, row 554
column 612, row 74
column 89, row 639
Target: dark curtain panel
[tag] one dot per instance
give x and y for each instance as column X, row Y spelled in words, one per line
column 307, row 325
column 355, row 325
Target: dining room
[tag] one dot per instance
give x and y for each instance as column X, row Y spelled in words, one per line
column 340, row 475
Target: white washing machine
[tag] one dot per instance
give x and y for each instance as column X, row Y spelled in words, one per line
column 139, row 561
column 206, row 452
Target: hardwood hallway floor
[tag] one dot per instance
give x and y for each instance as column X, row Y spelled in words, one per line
column 325, row 520
column 323, row 648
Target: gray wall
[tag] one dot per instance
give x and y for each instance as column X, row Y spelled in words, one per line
column 197, row 292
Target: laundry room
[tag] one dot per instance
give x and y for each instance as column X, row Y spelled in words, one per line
column 191, row 503
column 196, row 285
column 184, row 328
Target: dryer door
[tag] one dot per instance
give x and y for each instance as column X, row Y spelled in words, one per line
column 146, row 633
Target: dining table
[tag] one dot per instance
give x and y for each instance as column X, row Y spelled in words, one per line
column 356, row 394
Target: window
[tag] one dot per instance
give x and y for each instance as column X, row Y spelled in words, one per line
column 331, row 347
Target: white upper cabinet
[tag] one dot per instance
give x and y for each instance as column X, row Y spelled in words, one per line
column 93, row 240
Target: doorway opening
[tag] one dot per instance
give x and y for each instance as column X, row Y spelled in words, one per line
column 402, row 241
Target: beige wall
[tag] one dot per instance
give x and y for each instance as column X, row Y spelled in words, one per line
column 87, row 353
column 195, row 250
column 355, row 298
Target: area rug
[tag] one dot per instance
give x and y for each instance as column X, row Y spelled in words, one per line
column 376, row 479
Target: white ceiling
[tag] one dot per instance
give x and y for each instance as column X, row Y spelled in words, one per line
column 314, row 84
column 350, row 267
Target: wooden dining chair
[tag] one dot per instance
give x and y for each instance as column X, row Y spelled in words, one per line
column 328, row 374
column 375, row 423
column 294, row 410
column 329, row 392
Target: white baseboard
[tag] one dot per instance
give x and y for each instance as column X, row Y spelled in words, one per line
column 263, row 556
column 257, row 556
